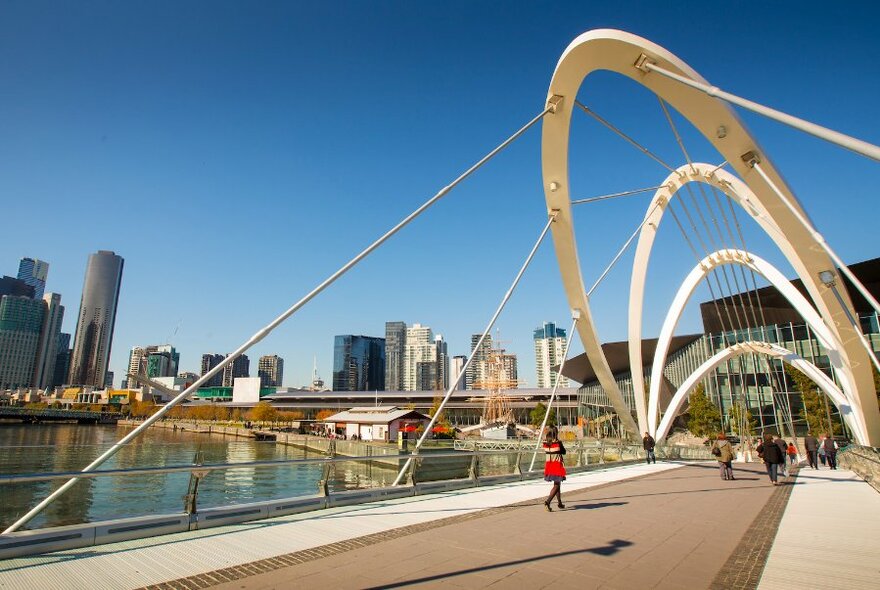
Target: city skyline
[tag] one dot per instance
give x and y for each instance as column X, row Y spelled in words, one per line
column 157, row 141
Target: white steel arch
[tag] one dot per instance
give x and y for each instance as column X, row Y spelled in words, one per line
column 625, row 54
column 812, row 371
column 778, row 280
column 718, row 178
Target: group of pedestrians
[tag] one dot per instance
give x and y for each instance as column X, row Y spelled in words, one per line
column 825, row 449
column 772, row 450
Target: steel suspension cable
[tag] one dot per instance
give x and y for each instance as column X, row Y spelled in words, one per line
column 693, row 198
column 261, row 334
column 864, row 148
column 476, row 349
column 626, row 137
column 575, row 317
column 844, row 269
column 615, row 195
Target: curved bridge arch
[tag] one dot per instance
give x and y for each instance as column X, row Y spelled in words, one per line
column 720, row 179
column 812, row 371
column 618, row 51
column 778, row 280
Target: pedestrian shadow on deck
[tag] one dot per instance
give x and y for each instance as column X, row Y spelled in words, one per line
column 609, row 549
column 595, row 505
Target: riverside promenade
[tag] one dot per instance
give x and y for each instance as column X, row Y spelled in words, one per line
column 670, row 525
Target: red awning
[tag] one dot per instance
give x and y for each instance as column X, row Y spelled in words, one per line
column 408, row 428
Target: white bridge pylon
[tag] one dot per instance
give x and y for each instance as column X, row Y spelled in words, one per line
column 791, row 294
column 760, row 190
column 844, row 405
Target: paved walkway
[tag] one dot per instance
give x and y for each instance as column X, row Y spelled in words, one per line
column 134, row 564
column 829, row 536
column 659, row 526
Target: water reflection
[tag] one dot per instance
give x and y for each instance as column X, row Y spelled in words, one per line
column 70, row 447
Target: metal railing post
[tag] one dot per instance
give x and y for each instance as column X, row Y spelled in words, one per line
column 474, row 471
column 602, row 452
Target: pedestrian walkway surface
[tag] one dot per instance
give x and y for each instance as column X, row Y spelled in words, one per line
column 829, row 536
column 670, row 525
column 143, row 562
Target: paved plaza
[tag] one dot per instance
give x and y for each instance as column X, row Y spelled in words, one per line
column 660, row 526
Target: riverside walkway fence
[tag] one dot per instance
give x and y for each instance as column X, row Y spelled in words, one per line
column 433, row 470
column 863, row 461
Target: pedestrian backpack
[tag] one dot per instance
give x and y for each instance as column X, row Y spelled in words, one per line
column 716, row 451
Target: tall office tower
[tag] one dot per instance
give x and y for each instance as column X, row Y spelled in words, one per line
column 97, row 317
column 47, row 349
column 442, row 380
column 136, row 366
column 162, row 361
column 209, row 361
column 549, row 349
column 420, row 359
column 108, row 379
column 156, row 360
column 477, row 369
column 271, row 370
column 34, row 272
column 456, row 364
column 62, row 360
column 358, row 363
column 395, row 341
column 21, row 321
column 240, row 367
column 510, row 368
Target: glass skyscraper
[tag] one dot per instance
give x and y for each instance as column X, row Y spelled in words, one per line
column 34, row 273
column 97, row 317
column 358, row 363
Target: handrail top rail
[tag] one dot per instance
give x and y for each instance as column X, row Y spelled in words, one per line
column 36, row 477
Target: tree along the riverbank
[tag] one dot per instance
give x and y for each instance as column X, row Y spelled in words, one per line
column 704, row 418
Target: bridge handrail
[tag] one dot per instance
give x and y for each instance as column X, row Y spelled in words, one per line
column 35, row 477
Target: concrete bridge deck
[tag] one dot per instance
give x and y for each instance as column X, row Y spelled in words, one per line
column 660, row 526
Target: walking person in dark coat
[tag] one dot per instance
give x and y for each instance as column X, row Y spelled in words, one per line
column 648, row 444
column 830, row 451
column 773, row 457
column 811, row 443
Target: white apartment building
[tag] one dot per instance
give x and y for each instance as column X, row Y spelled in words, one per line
column 549, row 351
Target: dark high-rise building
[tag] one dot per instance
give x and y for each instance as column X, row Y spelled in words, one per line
column 209, row 361
column 62, row 360
column 15, row 287
column 34, row 273
column 240, row 367
column 395, row 344
column 271, row 370
column 97, row 317
column 476, row 371
column 21, row 320
column 358, row 363
column 47, row 350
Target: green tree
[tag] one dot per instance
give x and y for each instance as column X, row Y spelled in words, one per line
column 704, row 418
column 536, row 416
column 816, row 410
column 741, row 419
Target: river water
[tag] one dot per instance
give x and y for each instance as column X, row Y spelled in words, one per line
column 41, row 448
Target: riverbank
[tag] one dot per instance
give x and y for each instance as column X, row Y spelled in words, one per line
column 317, row 444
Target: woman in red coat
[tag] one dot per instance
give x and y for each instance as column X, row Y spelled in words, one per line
column 554, row 469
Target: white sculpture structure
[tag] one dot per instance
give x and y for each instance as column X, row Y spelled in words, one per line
column 761, row 193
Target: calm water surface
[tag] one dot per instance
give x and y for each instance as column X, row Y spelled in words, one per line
column 27, row 448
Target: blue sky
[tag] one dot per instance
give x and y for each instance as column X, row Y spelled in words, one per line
column 235, row 154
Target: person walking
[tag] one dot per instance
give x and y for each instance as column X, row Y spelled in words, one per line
column 783, row 448
column 822, row 449
column 811, row 444
column 648, row 444
column 792, row 453
column 773, row 457
column 723, row 451
column 830, row 451
column 554, row 468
